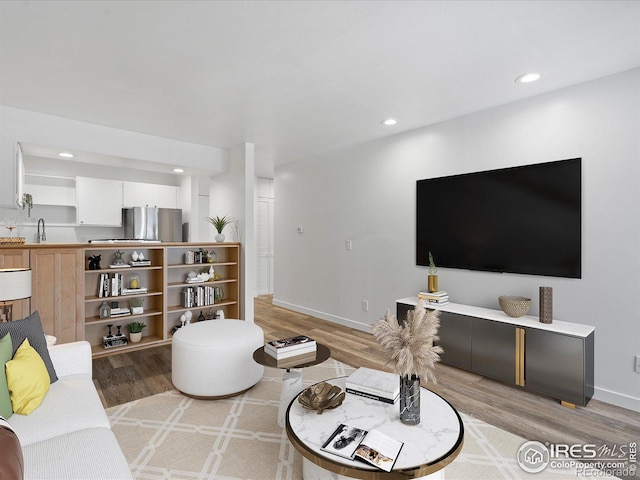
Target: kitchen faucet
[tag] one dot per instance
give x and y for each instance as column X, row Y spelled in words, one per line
column 41, row 237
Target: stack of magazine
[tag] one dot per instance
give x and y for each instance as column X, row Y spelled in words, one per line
column 292, row 351
column 373, row 447
column 376, row 384
column 434, row 298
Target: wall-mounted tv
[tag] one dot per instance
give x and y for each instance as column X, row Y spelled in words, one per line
column 524, row 219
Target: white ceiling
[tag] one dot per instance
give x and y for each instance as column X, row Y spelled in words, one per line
column 299, row 78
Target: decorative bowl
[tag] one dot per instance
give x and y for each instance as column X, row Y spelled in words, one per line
column 322, row 396
column 514, row 306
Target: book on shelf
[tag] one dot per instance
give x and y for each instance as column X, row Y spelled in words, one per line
column 194, row 280
column 110, row 341
column 376, row 384
column 121, row 265
column 133, row 291
column 289, row 343
column 373, row 447
column 119, row 312
column 200, row 296
column 296, row 360
column 140, row 263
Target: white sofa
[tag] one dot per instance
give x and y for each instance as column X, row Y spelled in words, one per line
column 69, row 436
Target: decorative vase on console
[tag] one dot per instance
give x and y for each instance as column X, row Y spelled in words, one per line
column 410, row 344
column 432, row 278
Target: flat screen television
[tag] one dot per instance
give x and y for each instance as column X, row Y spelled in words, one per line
column 524, row 219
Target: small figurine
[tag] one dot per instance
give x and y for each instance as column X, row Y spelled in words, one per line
column 94, row 262
column 118, row 257
column 135, row 256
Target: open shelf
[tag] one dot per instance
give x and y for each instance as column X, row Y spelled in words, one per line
column 164, row 279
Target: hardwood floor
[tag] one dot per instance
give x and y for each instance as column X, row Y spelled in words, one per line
column 129, row 376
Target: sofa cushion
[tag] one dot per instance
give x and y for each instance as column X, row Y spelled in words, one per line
column 27, row 379
column 30, row 328
column 11, row 461
column 6, row 351
column 72, row 404
column 83, row 455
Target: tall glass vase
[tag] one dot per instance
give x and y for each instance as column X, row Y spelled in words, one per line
column 410, row 399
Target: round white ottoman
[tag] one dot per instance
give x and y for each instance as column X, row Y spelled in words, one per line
column 213, row 359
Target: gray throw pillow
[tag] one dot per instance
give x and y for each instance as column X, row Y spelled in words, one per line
column 30, row 328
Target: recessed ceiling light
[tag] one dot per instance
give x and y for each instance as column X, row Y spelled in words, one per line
column 528, row 78
column 178, row 170
column 66, row 155
column 389, row 121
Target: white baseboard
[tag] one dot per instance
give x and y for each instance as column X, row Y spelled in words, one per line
column 324, row 316
column 616, row 398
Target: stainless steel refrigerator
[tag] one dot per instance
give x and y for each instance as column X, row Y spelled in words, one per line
column 152, row 223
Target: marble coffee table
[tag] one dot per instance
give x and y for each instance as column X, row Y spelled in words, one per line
column 428, row 447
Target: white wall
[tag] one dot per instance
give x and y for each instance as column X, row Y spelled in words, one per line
column 367, row 194
column 233, row 194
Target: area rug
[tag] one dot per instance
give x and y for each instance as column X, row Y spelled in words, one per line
column 173, row 437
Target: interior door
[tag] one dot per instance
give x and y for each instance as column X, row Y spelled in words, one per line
column 264, row 246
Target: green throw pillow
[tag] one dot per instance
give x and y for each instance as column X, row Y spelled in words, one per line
column 6, row 352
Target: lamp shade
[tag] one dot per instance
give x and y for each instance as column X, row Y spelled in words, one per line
column 15, row 283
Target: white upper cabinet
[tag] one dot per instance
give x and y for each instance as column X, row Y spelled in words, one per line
column 99, row 201
column 138, row 194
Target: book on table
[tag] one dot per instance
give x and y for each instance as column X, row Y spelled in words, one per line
column 376, row 384
column 373, row 447
column 296, row 360
column 292, row 353
column 434, row 297
column 290, row 346
column 438, row 294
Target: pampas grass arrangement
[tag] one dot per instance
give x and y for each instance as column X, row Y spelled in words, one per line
column 410, row 345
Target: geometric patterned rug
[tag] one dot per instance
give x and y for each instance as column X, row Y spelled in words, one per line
column 169, row 436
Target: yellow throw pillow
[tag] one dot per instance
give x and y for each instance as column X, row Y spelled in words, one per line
column 27, row 378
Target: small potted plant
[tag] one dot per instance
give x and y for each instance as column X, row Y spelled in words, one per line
column 432, row 278
column 135, row 331
column 219, row 223
column 136, row 306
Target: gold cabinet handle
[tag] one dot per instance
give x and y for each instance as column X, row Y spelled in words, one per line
column 520, row 349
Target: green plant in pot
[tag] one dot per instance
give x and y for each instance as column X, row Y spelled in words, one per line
column 135, row 331
column 219, row 223
column 136, row 306
column 432, row 278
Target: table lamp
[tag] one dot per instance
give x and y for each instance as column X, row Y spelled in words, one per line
column 15, row 284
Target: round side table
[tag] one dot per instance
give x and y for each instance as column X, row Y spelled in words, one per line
column 291, row 381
